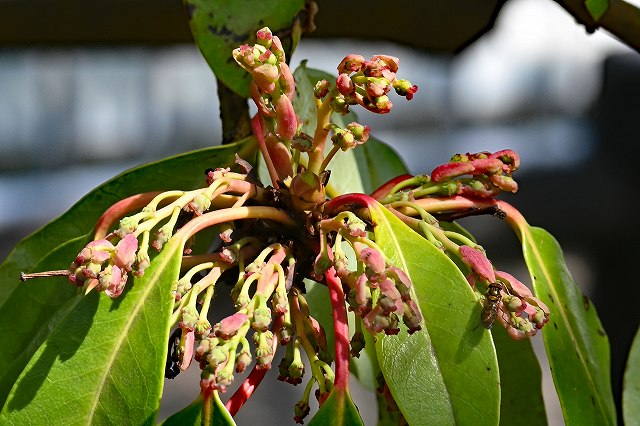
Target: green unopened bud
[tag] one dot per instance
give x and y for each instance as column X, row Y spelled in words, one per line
column 307, row 191
column 321, row 89
column 203, row 327
column 344, row 139
column 360, row 132
column 264, row 348
column 189, row 316
column 224, row 378
column 261, row 315
column 242, row 361
column 200, row 204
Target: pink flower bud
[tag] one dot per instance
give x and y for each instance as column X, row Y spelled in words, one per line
column 126, row 252
column 486, row 166
column 265, row 76
column 344, row 85
column 229, row 326
column 391, row 62
column 277, row 49
column 373, row 259
column 478, row 262
column 264, row 37
column 505, row 183
column 287, row 122
column 510, row 160
column 351, row 63
column 287, row 82
column 451, row 170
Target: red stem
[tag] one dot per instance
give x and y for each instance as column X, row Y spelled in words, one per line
column 348, row 201
column 245, row 390
column 340, row 328
column 120, row 209
column 383, row 190
column 256, row 125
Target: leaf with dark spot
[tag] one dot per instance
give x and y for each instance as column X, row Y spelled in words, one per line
column 218, row 27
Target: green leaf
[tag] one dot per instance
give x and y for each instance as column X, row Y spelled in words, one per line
column 28, row 312
column 448, row 372
column 218, row 27
column 104, row 360
column 194, row 412
column 576, row 344
column 337, row 410
column 520, row 380
column 378, row 163
column 596, row 8
column 631, row 386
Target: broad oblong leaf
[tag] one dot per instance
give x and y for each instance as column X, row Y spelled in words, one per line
column 520, row 380
column 576, row 344
column 218, row 27
column 29, row 311
column 378, row 163
column 337, row 410
column 453, row 364
column 104, row 360
column 631, row 386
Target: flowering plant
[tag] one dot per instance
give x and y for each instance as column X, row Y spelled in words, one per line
column 414, row 300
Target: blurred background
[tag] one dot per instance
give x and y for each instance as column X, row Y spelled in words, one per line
column 89, row 91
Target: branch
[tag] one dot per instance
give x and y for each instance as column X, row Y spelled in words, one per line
column 621, row 19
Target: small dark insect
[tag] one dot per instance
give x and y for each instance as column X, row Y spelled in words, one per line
column 491, row 302
column 172, row 369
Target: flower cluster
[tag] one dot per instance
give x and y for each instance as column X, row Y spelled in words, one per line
column 267, row 236
column 491, row 173
column 366, row 83
column 379, row 293
column 272, row 89
column 103, row 266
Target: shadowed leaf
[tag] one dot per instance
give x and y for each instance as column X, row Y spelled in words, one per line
column 448, row 372
column 37, row 306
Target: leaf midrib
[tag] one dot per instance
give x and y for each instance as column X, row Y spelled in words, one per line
column 124, row 335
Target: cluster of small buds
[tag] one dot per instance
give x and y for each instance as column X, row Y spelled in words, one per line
column 272, row 89
column 510, row 312
column 490, row 173
column 514, row 300
column 103, row 266
column 350, row 137
column 366, row 83
column 381, row 294
column 517, row 309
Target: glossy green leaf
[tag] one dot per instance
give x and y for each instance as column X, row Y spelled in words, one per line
column 520, row 380
column 378, row 163
column 631, row 386
column 218, row 27
column 194, row 414
column 596, row 8
column 576, row 344
column 448, row 372
column 29, row 311
column 337, row 410
column 104, row 360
